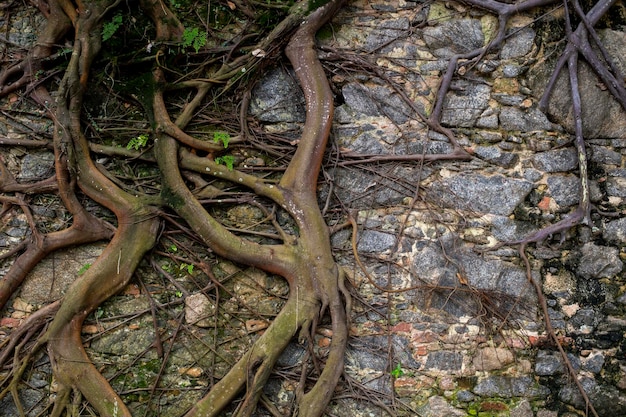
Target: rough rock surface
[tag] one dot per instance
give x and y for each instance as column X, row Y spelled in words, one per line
column 468, row 338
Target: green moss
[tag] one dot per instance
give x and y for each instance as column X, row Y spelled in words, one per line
column 489, row 408
column 142, row 88
column 153, row 366
column 140, row 377
column 325, row 33
column 315, row 4
column 438, row 12
column 489, row 26
column 172, row 199
column 473, row 409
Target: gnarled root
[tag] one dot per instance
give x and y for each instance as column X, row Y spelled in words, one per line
column 255, row 366
column 107, row 276
column 24, row 72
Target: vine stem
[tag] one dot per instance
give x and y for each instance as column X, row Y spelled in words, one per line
column 551, row 332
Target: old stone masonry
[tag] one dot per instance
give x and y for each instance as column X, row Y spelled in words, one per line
column 472, row 341
column 468, row 337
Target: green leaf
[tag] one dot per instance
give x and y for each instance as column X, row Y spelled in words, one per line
column 188, row 267
column 83, row 269
column 137, row 142
column 397, row 372
column 227, row 160
column 109, row 28
column 221, row 137
column 193, row 37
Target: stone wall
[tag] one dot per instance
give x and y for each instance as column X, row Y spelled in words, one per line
column 468, row 337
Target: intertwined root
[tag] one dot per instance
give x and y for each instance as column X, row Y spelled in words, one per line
column 312, row 293
column 23, row 74
column 305, row 261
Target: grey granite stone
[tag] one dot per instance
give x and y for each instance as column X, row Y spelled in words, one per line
column 278, row 98
column 375, row 241
column 513, row 118
column 484, row 194
column 36, row 166
column 518, row 44
column 507, row 387
column 615, row 231
column 454, row 36
column 558, row 160
column 599, row 261
column 495, row 155
column 565, row 189
column 465, row 103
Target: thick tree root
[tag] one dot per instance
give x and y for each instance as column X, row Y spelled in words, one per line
column 306, row 262
column 136, row 232
column 85, row 229
column 253, row 369
column 70, row 362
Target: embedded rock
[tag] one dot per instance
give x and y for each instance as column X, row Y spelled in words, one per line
column 484, row 194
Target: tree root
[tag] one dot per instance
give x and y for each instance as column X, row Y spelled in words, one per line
column 253, row 369
column 24, row 73
column 85, row 229
column 316, row 282
column 33, row 325
column 69, row 360
column 578, row 42
column 136, row 233
column 313, row 288
column 312, row 292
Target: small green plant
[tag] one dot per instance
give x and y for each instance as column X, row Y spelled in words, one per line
column 172, row 248
column 193, row 37
column 137, row 142
column 109, row 28
column 98, row 313
column 178, row 294
column 83, row 269
column 397, row 372
column 227, row 160
column 93, row 123
column 188, row 267
column 221, row 137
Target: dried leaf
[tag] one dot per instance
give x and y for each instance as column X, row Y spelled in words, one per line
column 259, row 53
